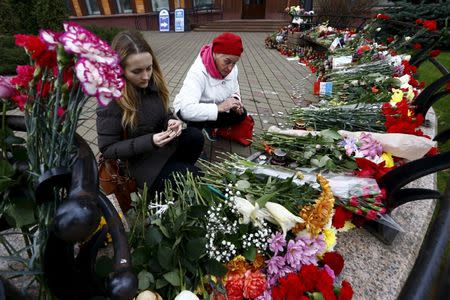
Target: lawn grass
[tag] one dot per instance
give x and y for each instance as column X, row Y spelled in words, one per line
column 429, row 73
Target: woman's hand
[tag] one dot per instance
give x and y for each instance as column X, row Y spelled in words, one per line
column 175, row 126
column 162, row 138
column 229, row 104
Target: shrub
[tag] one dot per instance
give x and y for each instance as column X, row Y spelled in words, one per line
column 333, row 10
column 10, row 55
column 106, row 34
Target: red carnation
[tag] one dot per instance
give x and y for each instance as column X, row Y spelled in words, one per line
column 278, row 292
column 24, row 76
column 419, row 21
column 235, row 286
column 20, row 101
column 325, row 285
column 382, row 17
column 335, row 261
column 254, row 284
column 346, row 292
column 309, row 274
column 389, row 40
column 435, row 52
column 341, row 215
column 430, row 24
column 433, row 151
column 417, row 46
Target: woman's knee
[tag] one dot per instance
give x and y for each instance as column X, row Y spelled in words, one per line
column 193, row 137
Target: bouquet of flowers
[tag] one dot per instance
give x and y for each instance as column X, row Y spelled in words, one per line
column 66, row 69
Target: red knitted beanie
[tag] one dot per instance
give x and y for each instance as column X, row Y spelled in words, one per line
column 228, row 43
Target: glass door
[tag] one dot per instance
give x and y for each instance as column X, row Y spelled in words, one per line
column 253, row 9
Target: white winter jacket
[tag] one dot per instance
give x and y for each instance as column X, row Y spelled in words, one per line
column 198, row 98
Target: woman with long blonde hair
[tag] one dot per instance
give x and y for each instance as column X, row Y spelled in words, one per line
column 139, row 127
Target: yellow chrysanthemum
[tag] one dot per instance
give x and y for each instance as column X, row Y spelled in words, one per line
column 409, row 94
column 330, row 238
column 318, row 215
column 397, row 95
column 388, row 160
column 348, row 225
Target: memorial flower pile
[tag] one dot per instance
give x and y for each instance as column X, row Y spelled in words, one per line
column 240, row 233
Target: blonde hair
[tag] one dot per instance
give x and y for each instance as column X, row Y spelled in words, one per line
column 125, row 44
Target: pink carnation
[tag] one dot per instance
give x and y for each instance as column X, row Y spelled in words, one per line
column 100, row 80
column 254, row 284
column 78, row 40
column 50, row 38
column 7, row 90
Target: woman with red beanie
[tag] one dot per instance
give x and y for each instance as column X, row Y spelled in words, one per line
column 210, row 95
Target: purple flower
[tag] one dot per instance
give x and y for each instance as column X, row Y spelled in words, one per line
column 294, row 253
column 369, row 146
column 349, row 145
column 100, row 80
column 7, row 90
column 267, row 295
column 275, row 264
column 277, row 242
column 80, row 41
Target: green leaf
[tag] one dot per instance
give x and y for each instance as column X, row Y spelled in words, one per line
column 6, row 169
column 103, row 266
column 153, row 237
column 165, row 257
column 330, row 135
column 250, row 253
column 160, row 283
column 145, row 278
column 22, row 211
column 173, row 277
column 195, row 248
column 139, row 256
column 216, row 268
column 308, row 154
column 20, row 153
column 4, row 183
column 197, row 211
column 242, row 185
column 265, row 198
column 12, row 139
column 164, row 231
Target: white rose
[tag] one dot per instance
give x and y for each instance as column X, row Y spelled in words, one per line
column 186, row 295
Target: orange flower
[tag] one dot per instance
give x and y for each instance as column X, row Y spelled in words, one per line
column 238, row 265
column 259, row 262
column 375, row 90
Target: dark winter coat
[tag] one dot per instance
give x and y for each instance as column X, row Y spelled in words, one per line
column 145, row 160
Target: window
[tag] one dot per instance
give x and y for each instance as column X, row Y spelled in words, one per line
column 158, row 5
column 124, row 6
column 203, row 4
column 92, row 7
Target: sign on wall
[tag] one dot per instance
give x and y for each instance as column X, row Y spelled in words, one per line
column 164, row 20
column 179, row 20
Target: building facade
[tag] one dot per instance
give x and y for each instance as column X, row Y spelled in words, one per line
column 143, row 14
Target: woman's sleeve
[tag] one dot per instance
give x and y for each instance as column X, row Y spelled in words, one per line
column 187, row 101
column 236, row 90
column 110, row 135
